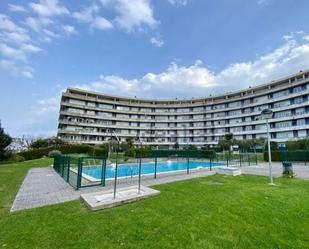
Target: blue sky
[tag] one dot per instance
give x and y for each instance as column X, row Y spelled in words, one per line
column 147, row 48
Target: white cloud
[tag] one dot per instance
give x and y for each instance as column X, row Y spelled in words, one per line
column 157, row 41
column 15, row 37
column 37, row 24
column 17, row 8
column 48, row 8
column 178, row 2
column 87, row 15
column 69, row 30
column 91, row 16
column 101, row 23
column 262, row 2
column 134, row 14
column 8, row 25
column 29, row 48
column 46, row 106
column 16, row 69
column 12, row 53
column 306, row 37
column 198, row 80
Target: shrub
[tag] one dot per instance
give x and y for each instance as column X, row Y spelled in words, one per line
column 275, row 156
column 105, row 146
column 35, row 153
column 54, row 153
column 46, row 142
column 5, row 141
column 143, row 152
column 74, row 148
column 130, row 152
column 97, row 151
column 13, row 159
column 210, row 154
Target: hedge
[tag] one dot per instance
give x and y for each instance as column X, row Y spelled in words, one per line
column 294, row 156
column 97, row 151
column 64, row 149
column 35, row 153
column 275, row 156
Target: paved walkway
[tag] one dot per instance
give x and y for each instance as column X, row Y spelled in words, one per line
column 300, row 171
column 43, row 186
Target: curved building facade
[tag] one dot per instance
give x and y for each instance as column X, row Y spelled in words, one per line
column 90, row 117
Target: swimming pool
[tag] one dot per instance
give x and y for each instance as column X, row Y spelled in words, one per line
column 131, row 169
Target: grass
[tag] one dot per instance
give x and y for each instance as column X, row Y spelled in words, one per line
column 212, row 212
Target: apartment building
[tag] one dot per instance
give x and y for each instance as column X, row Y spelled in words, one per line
column 94, row 118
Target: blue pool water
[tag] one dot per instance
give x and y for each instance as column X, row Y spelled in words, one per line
column 125, row 170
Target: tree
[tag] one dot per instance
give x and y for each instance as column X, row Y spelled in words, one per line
column 46, row 142
column 5, row 141
column 176, row 146
column 227, row 141
column 39, row 143
column 130, row 143
column 192, row 147
column 124, row 146
column 229, row 136
column 273, row 146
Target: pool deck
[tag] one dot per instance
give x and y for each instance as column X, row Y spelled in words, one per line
column 43, row 186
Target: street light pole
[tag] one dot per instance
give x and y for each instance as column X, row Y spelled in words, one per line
column 269, row 155
column 267, row 114
column 140, row 166
column 116, row 167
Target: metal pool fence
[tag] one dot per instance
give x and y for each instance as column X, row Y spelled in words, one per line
column 239, row 159
column 71, row 168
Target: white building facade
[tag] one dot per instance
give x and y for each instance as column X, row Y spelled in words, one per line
column 90, row 117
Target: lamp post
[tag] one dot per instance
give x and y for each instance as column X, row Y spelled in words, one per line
column 267, row 114
column 116, row 166
column 138, row 138
column 185, row 136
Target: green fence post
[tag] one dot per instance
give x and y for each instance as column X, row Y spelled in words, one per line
column 188, row 165
column 155, row 173
column 256, row 159
column 79, row 173
column 239, row 159
column 210, row 164
column 103, row 172
column 248, row 158
column 227, row 159
column 139, row 174
column 68, row 166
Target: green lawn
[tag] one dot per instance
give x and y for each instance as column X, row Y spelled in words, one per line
column 212, row 212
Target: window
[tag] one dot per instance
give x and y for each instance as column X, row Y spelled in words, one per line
column 219, row 114
column 282, row 114
column 281, row 94
column 298, row 100
column 247, row 101
column 234, row 113
column 300, row 111
column 222, row 106
column 234, row 104
column 283, row 124
column 76, row 102
column 302, row 133
column 297, row 89
column 260, row 99
column 198, row 109
column 300, row 122
column 105, row 106
column 235, row 120
column 287, row 134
